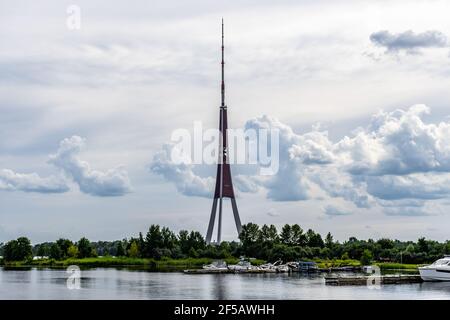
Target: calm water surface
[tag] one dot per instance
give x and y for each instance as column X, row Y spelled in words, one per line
column 129, row 284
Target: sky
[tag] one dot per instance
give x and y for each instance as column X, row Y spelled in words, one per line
column 357, row 89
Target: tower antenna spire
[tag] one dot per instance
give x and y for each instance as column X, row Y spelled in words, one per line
column 223, row 68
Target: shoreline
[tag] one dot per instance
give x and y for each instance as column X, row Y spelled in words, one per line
column 167, row 264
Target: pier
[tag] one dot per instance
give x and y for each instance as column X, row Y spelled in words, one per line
column 209, row 271
column 363, row 280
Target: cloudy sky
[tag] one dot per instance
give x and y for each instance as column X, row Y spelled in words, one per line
column 357, row 89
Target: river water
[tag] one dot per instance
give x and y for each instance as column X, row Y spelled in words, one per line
column 132, row 284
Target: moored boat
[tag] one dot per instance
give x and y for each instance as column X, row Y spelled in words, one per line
column 216, row 265
column 303, row 266
column 437, row 271
column 242, row 265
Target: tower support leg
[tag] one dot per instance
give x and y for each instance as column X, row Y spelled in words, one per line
column 236, row 215
column 219, row 227
column 212, row 219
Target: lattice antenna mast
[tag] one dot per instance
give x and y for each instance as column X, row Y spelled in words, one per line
column 223, row 69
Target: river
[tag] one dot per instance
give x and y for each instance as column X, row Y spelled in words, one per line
column 112, row 283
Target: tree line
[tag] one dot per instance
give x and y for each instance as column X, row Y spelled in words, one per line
column 263, row 242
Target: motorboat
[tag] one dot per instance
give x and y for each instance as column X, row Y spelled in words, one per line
column 303, row 266
column 242, row 265
column 270, row 267
column 282, row 268
column 437, row 271
column 218, row 265
column 277, row 266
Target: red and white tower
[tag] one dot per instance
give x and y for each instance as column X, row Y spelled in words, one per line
column 224, row 184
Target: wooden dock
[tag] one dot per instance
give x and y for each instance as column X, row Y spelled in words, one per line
column 364, row 280
column 209, row 271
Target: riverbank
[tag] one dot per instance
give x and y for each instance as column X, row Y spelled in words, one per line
column 180, row 264
column 337, row 263
column 105, row 262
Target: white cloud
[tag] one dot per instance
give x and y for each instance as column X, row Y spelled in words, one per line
column 31, row 182
column 182, row 175
column 113, row 182
column 397, row 161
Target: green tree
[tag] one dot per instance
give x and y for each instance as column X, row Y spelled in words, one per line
column 153, row 241
column 249, row 234
column 120, row 252
column 366, row 257
column 385, row 243
column 422, row 245
column 72, row 252
column 196, row 240
column 169, row 240
column 297, row 236
column 64, row 245
column 314, row 239
column 55, row 252
column 329, row 241
column 43, row 250
column 18, row 250
column 183, row 240
column 286, row 235
column 133, row 252
column 84, row 248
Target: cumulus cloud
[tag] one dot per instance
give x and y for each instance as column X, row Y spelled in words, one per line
column 31, row 182
column 332, row 211
column 409, row 41
column 181, row 174
column 113, row 182
column 397, row 161
column 399, row 143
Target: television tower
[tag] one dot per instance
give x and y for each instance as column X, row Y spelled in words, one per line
column 224, row 184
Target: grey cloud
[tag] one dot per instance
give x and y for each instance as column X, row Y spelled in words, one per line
column 331, row 210
column 408, row 40
column 407, row 187
column 405, row 211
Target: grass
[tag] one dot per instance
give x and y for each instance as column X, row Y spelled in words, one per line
column 165, row 264
column 168, row 264
column 321, row 263
column 335, row 263
column 396, row 266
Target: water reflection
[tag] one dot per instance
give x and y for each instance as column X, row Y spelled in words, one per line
column 140, row 284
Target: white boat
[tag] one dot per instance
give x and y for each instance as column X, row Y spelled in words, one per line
column 242, row 265
column 282, row 268
column 437, row 271
column 216, row 265
column 270, row 267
